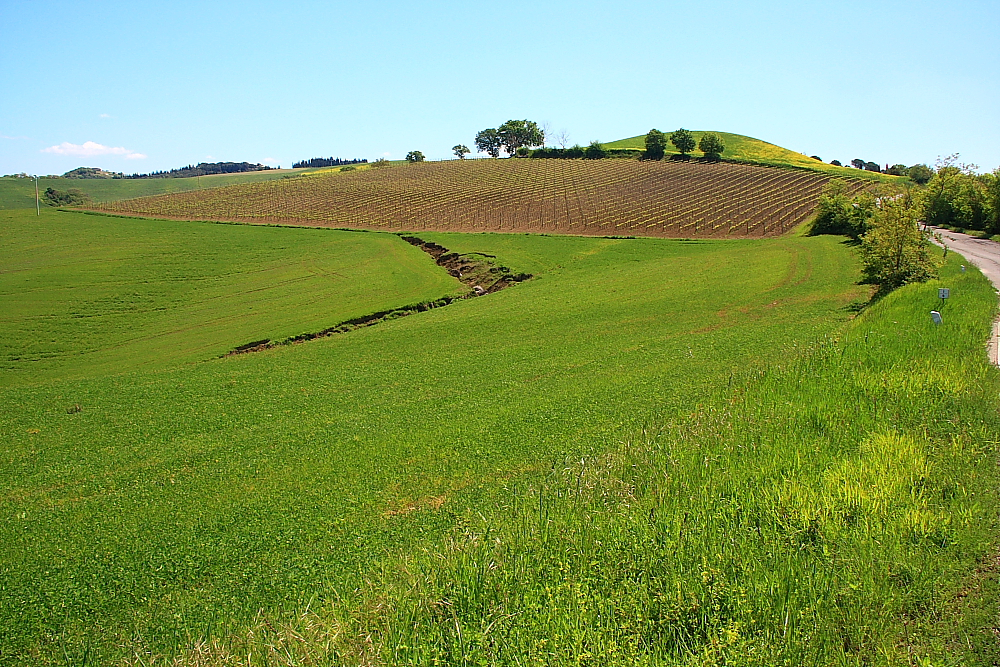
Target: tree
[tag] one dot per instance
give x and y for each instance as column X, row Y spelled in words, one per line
column 711, row 145
column 836, row 163
column 380, row 163
column 920, row 174
column 897, row 170
column 488, row 141
column 956, row 196
column 460, row 151
column 682, row 141
column 872, row 166
column 562, row 138
column 858, row 163
column 516, row 134
column 414, row 156
column 656, row 145
column 895, row 251
column 595, row 151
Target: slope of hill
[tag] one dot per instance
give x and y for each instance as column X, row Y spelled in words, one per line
column 592, row 197
column 740, row 147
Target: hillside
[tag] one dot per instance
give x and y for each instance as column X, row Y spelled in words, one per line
column 590, row 197
column 19, row 193
column 740, row 147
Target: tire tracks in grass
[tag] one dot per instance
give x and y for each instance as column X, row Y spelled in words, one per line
column 476, row 270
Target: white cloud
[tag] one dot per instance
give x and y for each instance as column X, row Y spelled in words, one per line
column 90, row 149
column 4, row 136
column 387, row 154
column 105, row 115
column 136, row 156
column 269, row 160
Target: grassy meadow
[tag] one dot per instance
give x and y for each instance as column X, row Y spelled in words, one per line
column 81, row 296
column 654, row 452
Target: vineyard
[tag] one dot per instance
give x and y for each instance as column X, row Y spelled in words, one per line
column 599, row 197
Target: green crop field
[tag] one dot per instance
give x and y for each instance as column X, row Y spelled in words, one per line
column 655, row 451
column 17, row 193
column 739, row 147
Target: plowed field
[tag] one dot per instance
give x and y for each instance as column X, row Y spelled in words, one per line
column 600, row 197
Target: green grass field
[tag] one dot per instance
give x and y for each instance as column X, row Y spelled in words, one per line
column 18, row 193
column 80, row 296
column 654, row 452
column 739, row 147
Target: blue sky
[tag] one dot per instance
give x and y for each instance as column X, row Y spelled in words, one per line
column 156, row 85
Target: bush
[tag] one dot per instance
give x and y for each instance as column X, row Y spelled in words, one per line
column 895, row 250
column 836, row 163
column 920, row 174
column 595, row 151
column 839, row 213
column 71, row 197
column 958, row 198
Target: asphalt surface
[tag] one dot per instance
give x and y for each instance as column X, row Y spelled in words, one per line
column 985, row 255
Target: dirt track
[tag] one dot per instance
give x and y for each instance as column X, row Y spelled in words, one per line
column 985, row 255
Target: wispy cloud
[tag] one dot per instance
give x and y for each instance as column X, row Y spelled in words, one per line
column 105, row 115
column 269, row 160
column 4, row 136
column 90, row 149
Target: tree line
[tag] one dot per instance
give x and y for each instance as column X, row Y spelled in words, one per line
column 326, row 162
column 201, row 169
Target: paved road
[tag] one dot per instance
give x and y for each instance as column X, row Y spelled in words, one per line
column 984, row 254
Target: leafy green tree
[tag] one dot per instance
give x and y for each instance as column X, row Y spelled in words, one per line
column 956, row 197
column 895, row 250
column 460, row 151
column 515, row 134
column 920, row 174
column 595, row 151
column 414, row 156
column 488, row 141
column 898, row 170
column 872, row 166
column 656, row 145
column 992, row 185
column 682, row 140
column 836, row 163
column 711, row 145
column 858, row 163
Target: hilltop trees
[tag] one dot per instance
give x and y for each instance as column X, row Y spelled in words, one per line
column 711, row 145
column 515, row 134
column 414, row 156
column 511, row 137
column 460, row 151
column 488, row 141
column 683, row 141
column 656, row 145
column 920, row 174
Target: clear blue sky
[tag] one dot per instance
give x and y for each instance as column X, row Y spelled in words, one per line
column 155, row 85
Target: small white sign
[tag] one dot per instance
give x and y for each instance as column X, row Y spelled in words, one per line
column 943, row 292
column 936, row 316
column 963, row 268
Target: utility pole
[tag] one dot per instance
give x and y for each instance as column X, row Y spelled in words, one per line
column 38, row 207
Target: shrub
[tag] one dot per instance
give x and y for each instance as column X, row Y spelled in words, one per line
column 920, row 174
column 895, row 250
column 595, row 151
column 839, row 213
column 71, row 197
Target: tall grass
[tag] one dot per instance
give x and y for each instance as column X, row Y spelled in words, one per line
column 806, row 513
